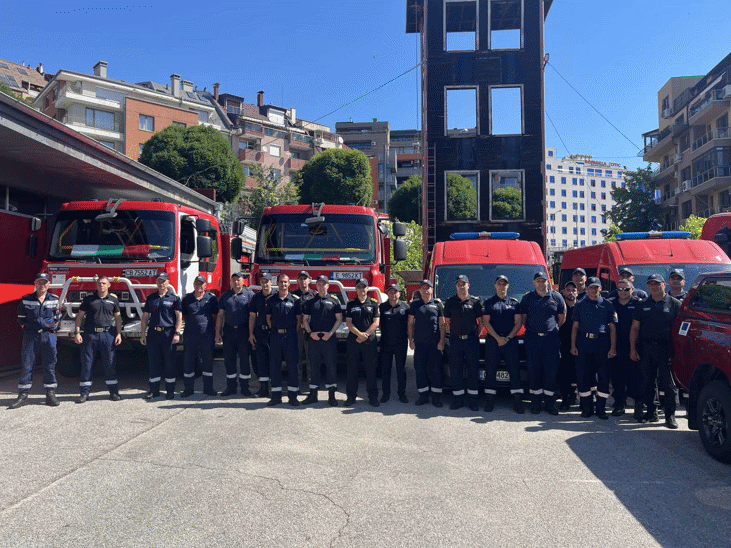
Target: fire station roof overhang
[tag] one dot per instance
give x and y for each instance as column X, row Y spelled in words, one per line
column 41, row 155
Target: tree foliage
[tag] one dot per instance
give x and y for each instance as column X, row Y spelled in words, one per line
column 611, row 235
column 198, row 157
column 413, row 250
column 461, row 198
column 636, row 209
column 336, row 176
column 507, row 203
column 694, row 225
column 405, row 203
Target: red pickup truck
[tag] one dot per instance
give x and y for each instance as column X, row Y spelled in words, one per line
column 702, row 360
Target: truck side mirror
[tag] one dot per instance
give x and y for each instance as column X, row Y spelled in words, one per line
column 399, row 250
column 236, row 249
column 32, row 246
column 35, row 224
column 399, row 230
column 205, row 247
column 202, row 225
column 238, row 226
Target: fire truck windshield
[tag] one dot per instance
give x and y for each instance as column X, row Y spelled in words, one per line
column 482, row 279
column 340, row 239
column 129, row 236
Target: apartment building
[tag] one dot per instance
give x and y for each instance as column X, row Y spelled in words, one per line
column 123, row 116
column 578, row 197
column 22, row 79
column 692, row 145
column 273, row 136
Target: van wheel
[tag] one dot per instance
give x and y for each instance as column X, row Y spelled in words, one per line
column 68, row 361
column 714, row 414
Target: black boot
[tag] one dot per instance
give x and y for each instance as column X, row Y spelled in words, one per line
column 114, row 396
column 51, row 398
column 518, row 404
column 423, row 398
column 567, row 401
column 490, row 403
column 245, row 392
column 276, row 398
column 651, row 415
column 601, row 408
column 311, row 398
column 639, row 414
column 670, row 421
column 22, row 400
column 293, row 401
column 436, row 399
column 535, row 404
column 263, row 391
column 331, row 400
column 230, row 390
column 457, row 402
column 551, row 408
column 472, row 403
column 587, row 406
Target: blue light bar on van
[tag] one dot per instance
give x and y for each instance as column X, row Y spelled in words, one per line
column 485, row 235
column 653, row 234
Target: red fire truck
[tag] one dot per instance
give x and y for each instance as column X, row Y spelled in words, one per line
column 132, row 242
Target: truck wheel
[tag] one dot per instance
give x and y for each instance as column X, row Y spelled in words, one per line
column 68, row 361
column 714, row 416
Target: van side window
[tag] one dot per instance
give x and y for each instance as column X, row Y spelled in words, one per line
column 714, row 295
column 187, row 240
column 606, row 279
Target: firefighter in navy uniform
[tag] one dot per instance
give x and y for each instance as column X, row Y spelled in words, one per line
column 676, row 287
column 503, row 321
column 38, row 315
column 544, row 311
column 304, row 293
column 627, row 274
column 283, row 311
column 578, row 276
column 200, row 308
column 426, row 331
column 651, row 323
column 102, row 333
column 463, row 318
column 321, row 316
column 259, row 333
column 162, row 315
column 394, row 343
column 362, row 317
column 594, row 342
column 232, row 329
column 567, row 381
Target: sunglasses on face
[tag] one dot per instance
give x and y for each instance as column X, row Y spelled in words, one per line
column 624, row 289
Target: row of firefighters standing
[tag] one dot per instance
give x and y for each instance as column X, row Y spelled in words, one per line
column 605, row 336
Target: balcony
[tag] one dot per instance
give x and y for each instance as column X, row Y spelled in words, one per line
column 302, row 142
column 249, row 155
column 295, row 164
column 667, row 166
column 712, row 137
column 712, row 179
column 105, row 128
column 715, row 103
column 659, row 145
column 73, row 94
column 252, row 129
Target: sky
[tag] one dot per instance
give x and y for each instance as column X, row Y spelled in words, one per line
column 320, row 56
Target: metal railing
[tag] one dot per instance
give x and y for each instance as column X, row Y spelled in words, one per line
column 716, row 171
column 714, row 95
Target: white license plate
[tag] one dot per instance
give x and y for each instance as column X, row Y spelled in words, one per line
column 139, row 272
column 66, row 325
column 502, row 375
column 345, row 275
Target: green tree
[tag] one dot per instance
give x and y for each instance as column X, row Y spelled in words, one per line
column 413, row 251
column 7, row 90
column 461, row 198
column 198, row 157
column 270, row 190
column 636, row 209
column 405, row 203
column 611, row 235
column 507, row 203
column 336, row 176
column 694, row 225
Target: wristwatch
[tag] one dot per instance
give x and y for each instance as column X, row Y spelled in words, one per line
column 179, row 333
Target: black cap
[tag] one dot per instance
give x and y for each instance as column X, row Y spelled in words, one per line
column 627, row 270
column 304, row 273
column 323, row 278
column 569, row 283
column 237, row 274
column 361, row 281
column 462, row 278
column 200, row 278
column 266, row 276
column 163, row 276
column 540, row 274
column 676, row 272
column 593, row 282
column 502, row 277
column 655, row 278
column 43, row 276
column 397, row 287
column 579, row 271
column 426, row 282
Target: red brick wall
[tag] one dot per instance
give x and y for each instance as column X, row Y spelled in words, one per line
column 163, row 116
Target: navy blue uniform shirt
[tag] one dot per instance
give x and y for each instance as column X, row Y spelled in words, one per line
column 322, row 311
column 34, row 315
column 641, row 295
column 502, row 313
column 236, row 307
column 162, row 309
column 258, row 306
column 284, row 311
column 624, row 319
column 542, row 312
column 394, row 323
column 426, row 320
column 463, row 315
column 362, row 314
column 656, row 317
column 594, row 316
column 99, row 312
column 200, row 314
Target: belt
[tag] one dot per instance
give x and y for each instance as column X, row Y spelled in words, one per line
column 594, row 335
column 159, row 328
column 537, row 334
column 282, row 331
column 100, row 329
column 42, row 330
column 463, row 337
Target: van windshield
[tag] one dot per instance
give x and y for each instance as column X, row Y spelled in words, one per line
column 482, row 279
column 690, row 271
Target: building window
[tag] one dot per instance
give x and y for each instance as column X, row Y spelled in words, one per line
column 593, row 231
column 100, row 119
column 147, row 123
column 506, row 24
column 506, row 195
column 604, row 184
column 563, row 205
column 564, row 230
column 593, row 182
column 563, row 180
column 178, row 124
column 360, row 145
column 139, row 152
column 574, row 206
column 593, row 207
column 604, row 220
column 553, row 243
column 506, row 111
column 582, row 231
column 581, row 194
column 548, row 166
column 247, row 171
column 563, row 192
column 202, row 117
column 573, row 181
column 571, row 169
column 461, row 190
column 575, row 218
column 551, row 191
column 461, row 112
column 574, row 230
column 550, row 153
column 581, row 182
column 275, row 150
column 593, row 218
column 276, row 174
column 551, row 179
column 582, row 219
column 575, row 193
column 581, row 206
column 460, row 24
column 583, row 242
column 564, row 243
column 604, row 195
column 551, row 204
column 552, row 229
column 563, row 218
column 608, row 173
column 593, row 195
column 110, row 144
column 552, row 217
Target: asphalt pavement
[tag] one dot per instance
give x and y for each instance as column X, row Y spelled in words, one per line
column 210, row 471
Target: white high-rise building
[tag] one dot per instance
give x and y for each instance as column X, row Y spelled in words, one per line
column 578, row 197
